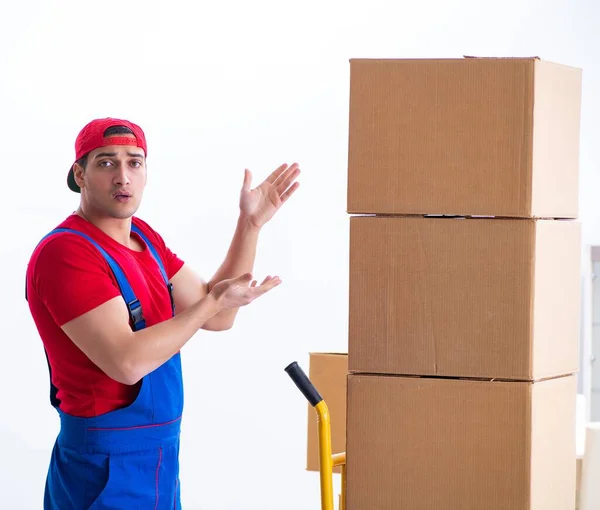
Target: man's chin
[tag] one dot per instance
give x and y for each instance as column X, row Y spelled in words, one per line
column 123, row 213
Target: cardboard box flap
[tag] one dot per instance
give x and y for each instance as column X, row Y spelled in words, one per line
column 505, row 58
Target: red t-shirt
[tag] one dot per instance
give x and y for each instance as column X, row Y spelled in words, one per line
column 66, row 277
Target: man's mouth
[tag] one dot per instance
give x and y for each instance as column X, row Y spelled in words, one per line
column 122, row 197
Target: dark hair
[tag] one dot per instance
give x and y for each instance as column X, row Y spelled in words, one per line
column 113, row 130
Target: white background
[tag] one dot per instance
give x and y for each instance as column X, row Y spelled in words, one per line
column 219, row 87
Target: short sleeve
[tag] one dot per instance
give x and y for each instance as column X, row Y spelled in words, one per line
column 173, row 263
column 71, row 277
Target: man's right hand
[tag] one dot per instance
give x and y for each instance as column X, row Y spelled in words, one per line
column 241, row 291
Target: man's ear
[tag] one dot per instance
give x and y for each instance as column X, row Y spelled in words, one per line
column 78, row 174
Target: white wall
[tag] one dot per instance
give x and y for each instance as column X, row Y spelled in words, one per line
column 219, row 87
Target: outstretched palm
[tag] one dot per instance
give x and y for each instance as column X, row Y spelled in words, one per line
column 261, row 203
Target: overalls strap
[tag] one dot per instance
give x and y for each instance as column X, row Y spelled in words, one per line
column 159, row 262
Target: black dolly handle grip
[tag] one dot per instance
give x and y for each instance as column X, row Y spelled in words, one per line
column 303, row 382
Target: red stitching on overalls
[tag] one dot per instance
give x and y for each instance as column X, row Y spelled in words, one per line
column 137, row 426
column 157, row 468
column 175, row 498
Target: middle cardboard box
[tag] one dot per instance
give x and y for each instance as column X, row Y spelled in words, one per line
column 487, row 298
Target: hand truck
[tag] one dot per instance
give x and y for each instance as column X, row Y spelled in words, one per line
column 327, row 460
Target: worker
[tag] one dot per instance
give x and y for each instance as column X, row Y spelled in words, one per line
column 114, row 305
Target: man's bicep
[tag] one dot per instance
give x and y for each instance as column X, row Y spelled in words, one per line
column 100, row 334
column 188, row 288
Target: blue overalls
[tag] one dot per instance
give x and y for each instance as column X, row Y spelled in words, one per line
column 128, row 458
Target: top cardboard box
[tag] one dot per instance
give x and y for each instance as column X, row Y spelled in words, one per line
column 467, row 137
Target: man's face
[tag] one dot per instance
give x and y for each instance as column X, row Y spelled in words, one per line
column 113, row 181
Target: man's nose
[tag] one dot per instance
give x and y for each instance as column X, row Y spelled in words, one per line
column 122, row 175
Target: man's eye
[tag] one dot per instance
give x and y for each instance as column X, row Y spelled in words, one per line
column 105, row 163
column 136, row 164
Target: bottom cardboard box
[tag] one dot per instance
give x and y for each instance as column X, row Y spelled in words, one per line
column 417, row 443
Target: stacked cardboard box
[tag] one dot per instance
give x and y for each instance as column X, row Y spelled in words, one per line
column 464, row 284
column 328, row 372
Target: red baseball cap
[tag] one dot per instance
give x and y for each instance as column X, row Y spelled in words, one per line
column 92, row 137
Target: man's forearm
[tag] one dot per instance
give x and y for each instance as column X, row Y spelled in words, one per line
column 149, row 348
column 239, row 260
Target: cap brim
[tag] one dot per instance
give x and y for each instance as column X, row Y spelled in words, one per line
column 71, row 182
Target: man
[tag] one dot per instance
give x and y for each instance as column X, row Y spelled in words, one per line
column 113, row 306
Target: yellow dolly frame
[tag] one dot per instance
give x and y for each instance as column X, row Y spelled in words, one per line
column 327, row 460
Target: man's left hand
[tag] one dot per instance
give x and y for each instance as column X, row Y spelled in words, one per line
column 258, row 205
